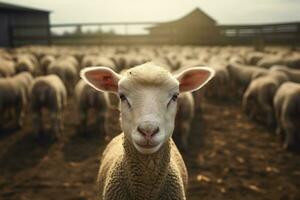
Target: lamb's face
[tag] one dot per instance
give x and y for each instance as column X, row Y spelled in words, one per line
column 148, row 98
column 148, row 112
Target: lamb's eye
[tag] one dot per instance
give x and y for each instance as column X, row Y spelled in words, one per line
column 173, row 99
column 122, row 97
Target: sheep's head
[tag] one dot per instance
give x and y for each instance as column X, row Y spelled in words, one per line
column 148, row 96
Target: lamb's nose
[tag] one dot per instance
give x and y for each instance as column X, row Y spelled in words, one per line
column 148, row 130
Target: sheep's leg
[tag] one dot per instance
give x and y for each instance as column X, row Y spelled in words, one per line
column 290, row 139
column 19, row 114
column 270, row 119
column 83, row 121
column 56, row 124
column 37, row 122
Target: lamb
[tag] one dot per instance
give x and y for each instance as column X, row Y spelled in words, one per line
column 67, row 72
column 143, row 162
column 88, row 99
column 48, row 92
column 7, row 68
column 258, row 98
column 13, row 92
column 287, row 109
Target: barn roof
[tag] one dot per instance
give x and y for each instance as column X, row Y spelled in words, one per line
column 13, row 7
column 195, row 14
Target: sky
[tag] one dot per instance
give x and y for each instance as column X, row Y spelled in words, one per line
column 223, row 11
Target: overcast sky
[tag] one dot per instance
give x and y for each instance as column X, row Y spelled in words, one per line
column 223, row 11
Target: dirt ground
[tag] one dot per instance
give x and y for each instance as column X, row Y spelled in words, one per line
column 229, row 157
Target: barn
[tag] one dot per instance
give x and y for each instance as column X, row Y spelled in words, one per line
column 23, row 25
column 194, row 28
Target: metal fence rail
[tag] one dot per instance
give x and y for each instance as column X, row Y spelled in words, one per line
column 285, row 33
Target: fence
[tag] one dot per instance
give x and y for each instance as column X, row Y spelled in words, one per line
column 287, row 33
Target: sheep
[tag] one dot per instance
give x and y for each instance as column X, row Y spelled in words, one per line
column 287, row 109
column 88, row 60
column 67, row 72
column 7, row 68
column 70, row 59
column 269, row 61
column 48, row 92
column 219, row 86
column 45, row 62
column 237, row 59
column 243, row 74
column 183, row 120
column 292, row 61
column 294, row 74
column 13, row 96
column 258, row 98
column 143, row 162
column 254, row 57
column 94, row 60
column 25, row 63
column 88, row 99
column 26, row 80
column 112, row 126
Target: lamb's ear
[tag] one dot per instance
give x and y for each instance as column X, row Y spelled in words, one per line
column 101, row 78
column 194, row 78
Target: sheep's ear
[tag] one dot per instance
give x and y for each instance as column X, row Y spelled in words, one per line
column 101, row 78
column 194, row 78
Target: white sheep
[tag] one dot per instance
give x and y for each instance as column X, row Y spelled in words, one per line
column 143, row 162
column 241, row 75
column 25, row 63
column 294, row 74
column 287, row 109
column 7, row 68
column 258, row 98
column 112, row 126
column 45, row 63
column 13, row 95
column 67, row 72
column 87, row 98
column 48, row 92
column 183, row 121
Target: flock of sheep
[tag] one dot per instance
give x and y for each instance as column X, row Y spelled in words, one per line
column 39, row 78
column 45, row 77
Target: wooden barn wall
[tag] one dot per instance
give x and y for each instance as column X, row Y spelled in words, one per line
column 4, row 30
column 16, row 18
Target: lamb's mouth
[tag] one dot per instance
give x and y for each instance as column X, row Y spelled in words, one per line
column 147, row 146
